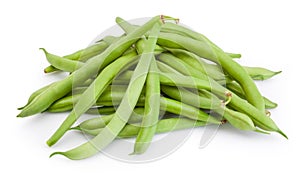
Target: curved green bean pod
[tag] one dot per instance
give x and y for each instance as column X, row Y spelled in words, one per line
column 197, row 63
column 237, row 119
column 61, row 88
column 90, row 96
column 83, row 54
column 184, row 68
column 169, row 27
column 102, row 121
column 236, row 88
column 185, row 96
column 35, row 94
column 152, row 106
column 110, row 132
column 204, row 50
column 259, row 118
column 61, row 63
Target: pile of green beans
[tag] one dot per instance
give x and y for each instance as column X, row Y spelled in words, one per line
column 154, row 78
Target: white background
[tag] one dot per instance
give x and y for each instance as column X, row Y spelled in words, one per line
column 265, row 32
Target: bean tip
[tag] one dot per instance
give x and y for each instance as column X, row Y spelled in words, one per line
column 43, row 49
column 278, row 72
column 283, row 134
column 56, row 153
column 20, row 108
column 50, row 142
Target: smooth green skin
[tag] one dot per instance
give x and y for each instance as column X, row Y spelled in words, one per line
column 256, row 73
column 166, row 68
column 259, row 73
column 35, row 94
column 179, row 65
column 164, row 125
column 89, row 97
column 92, row 67
column 84, row 54
column 110, row 95
column 62, row 63
column 236, row 88
column 50, row 69
column 259, row 118
column 152, row 108
column 166, row 104
column 100, row 122
column 101, row 110
column 125, row 109
column 204, row 50
column 237, row 119
column 169, row 28
column 185, row 96
column 197, row 63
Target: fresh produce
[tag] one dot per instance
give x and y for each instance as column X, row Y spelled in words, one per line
column 152, row 79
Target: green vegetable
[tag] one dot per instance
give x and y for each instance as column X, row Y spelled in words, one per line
column 154, row 78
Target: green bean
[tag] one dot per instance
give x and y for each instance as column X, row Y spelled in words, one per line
column 35, row 94
column 237, row 119
column 197, row 63
column 166, row 68
column 82, row 54
column 101, row 110
column 170, row 27
column 114, row 98
column 184, row 96
column 259, row 73
column 256, row 73
column 61, row 88
column 183, row 31
column 204, row 50
column 152, row 105
column 110, row 97
column 110, row 132
column 50, row 69
column 102, row 121
column 90, row 96
column 164, row 125
column 259, row 118
column 236, row 88
column 61, row 63
column 183, row 68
